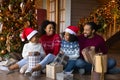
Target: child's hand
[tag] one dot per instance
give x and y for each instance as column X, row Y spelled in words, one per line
column 31, row 53
column 36, row 53
column 61, row 52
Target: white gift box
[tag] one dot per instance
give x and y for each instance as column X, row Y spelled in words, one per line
column 64, row 76
column 51, row 70
column 33, row 60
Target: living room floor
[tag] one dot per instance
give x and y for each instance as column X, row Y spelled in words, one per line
column 17, row 76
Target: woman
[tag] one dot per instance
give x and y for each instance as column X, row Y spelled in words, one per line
column 50, row 42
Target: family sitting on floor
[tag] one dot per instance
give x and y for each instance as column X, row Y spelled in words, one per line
column 44, row 45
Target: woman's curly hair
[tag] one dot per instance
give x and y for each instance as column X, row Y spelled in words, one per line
column 43, row 26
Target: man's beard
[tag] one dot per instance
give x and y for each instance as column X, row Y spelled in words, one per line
column 87, row 36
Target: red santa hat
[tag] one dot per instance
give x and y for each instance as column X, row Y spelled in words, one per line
column 28, row 33
column 72, row 30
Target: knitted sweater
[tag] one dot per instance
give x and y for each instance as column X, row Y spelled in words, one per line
column 70, row 49
column 32, row 47
column 51, row 44
column 96, row 41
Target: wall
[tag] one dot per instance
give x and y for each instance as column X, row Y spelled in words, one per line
column 38, row 4
column 75, row 9
column 67, row 13
column 81, row 8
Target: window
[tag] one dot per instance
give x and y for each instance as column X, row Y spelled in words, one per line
column 56, row 12
column 51, row 10
column 62, row 15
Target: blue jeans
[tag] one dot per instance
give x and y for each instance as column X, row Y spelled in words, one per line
column 22, row 62
column 70, row 65
column 111, row 63
column 48, row 59
column 80, row 63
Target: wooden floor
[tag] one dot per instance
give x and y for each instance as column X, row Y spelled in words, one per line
column 17, row 76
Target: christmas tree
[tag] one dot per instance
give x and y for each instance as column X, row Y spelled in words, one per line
column 14, row 14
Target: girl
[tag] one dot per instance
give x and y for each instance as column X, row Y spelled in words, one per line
column 70, row 47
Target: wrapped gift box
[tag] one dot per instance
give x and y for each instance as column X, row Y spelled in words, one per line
column 61, row 59
column 63, row 76
column 88, row 54
column 52, row 69
column 33, row 60
column 100, row 63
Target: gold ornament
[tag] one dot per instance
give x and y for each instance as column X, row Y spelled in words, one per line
column 2, row 38
column 3, row 52
column 21, row 18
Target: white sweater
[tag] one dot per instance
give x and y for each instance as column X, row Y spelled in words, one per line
column 32, row 47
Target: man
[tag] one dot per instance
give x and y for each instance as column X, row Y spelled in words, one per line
column 90, row 38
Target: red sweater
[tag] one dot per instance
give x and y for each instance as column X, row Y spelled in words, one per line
column 51, row 44
column 96, row 41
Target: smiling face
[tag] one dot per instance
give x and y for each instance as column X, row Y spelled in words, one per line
column 88, row 32
column 66, row 36
column 49, row 29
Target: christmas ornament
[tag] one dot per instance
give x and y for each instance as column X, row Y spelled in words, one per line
column 2, row 38
column 10, row 7
column 1, row 26
column 22, row 6
column 21, row 18
column 3, row 52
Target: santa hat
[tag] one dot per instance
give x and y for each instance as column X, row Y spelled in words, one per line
column 28, row 33
column 72, row 30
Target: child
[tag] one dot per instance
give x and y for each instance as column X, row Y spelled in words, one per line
column 70, row 47
column 32, row 48
column 50, row 42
